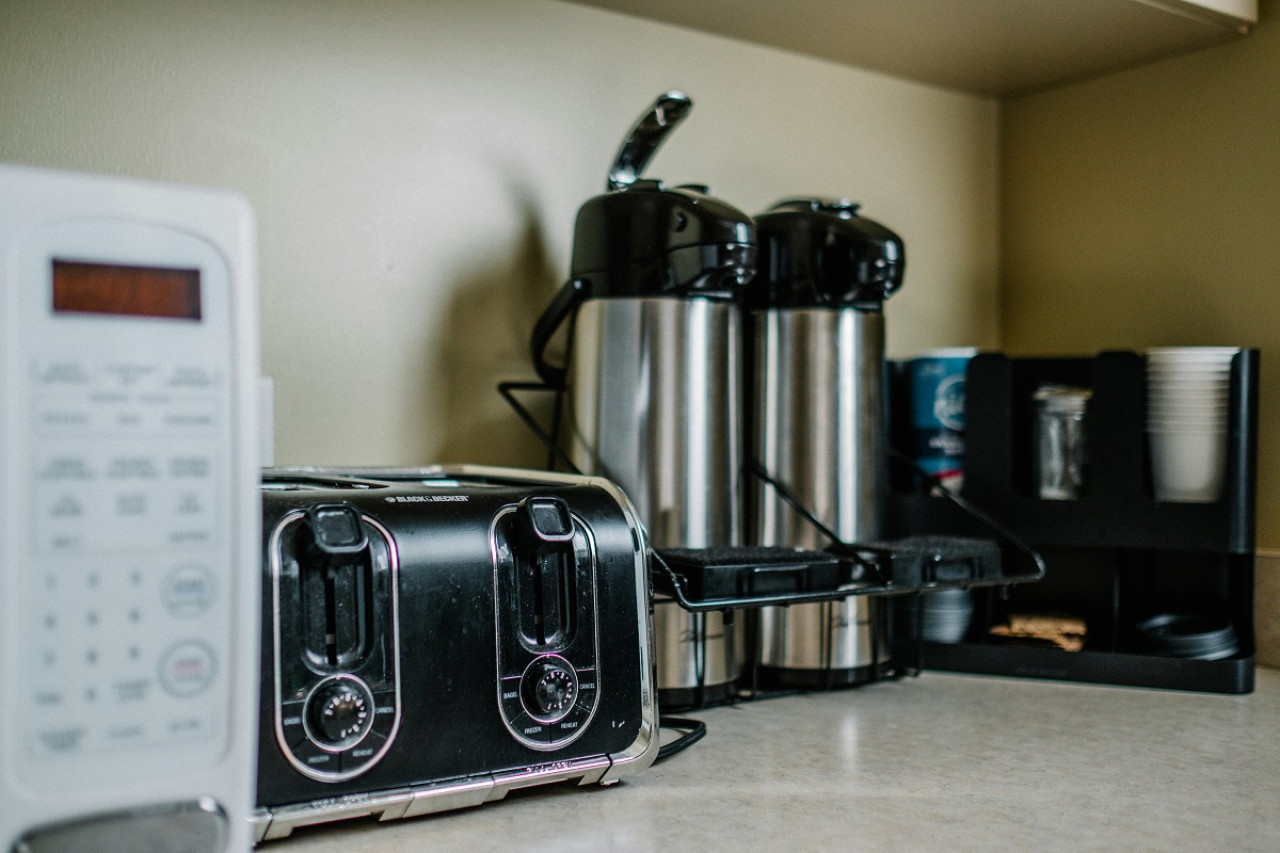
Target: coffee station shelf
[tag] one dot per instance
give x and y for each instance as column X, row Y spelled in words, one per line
column 1117, row 510
column 1121, row 669
column 989, row 47
column 1115, row 556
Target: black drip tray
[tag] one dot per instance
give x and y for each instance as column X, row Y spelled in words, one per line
column 753, row 572
column 723, row 578
column 922, row 562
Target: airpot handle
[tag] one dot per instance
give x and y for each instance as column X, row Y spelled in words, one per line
column 571, row 295
column 643, row 140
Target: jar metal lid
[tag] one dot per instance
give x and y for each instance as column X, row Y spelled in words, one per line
column 1065, row 399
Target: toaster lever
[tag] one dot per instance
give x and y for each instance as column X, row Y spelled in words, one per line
column 548, row 520
column 336, row 532
column 336, row 576
column 543, row 553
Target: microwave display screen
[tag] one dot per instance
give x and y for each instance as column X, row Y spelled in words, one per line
column 131, row 291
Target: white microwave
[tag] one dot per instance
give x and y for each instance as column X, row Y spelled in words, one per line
column 129, row 502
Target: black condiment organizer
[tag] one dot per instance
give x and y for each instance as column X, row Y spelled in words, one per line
column 1115, row 555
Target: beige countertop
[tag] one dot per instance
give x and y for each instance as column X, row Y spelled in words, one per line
column 937, row 762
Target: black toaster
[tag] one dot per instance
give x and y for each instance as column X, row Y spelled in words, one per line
column 434, row 638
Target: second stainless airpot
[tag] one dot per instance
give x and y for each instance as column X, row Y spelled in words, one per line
column 818, row 422
column 651, row 388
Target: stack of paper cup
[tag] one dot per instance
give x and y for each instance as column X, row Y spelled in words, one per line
column 1187, row 405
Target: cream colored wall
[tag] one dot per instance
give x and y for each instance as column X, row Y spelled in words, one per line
column 1143, row 209
column 416, row 167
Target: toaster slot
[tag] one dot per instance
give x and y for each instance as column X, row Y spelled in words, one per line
column 544, row 558
column 545, row 596
column 336, row 574
column 337, row 641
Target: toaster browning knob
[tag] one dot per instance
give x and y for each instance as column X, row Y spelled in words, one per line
column 340, row 713
column 550, row 689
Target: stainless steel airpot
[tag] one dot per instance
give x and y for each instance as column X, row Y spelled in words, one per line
column 818, row 421
column 651, row 383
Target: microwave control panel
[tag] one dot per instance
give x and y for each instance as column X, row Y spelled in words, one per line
column 126, row 451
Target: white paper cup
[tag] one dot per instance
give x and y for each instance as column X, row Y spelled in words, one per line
column 1190, row 405
column 1155, row 365
column 1192, row 352
column 1188, row 419
column 1156, row 359
column 1168, row 426
column 1185, row 384
column 1184, row 426
column 1191, row 355
column 1188, row 367
column 1187, row 414
column 1187, row 389
column 1189, row 399
column 1187, row 466
column 1190, row 376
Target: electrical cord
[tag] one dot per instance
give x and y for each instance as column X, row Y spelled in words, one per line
column 933, row 482
column 695, row 730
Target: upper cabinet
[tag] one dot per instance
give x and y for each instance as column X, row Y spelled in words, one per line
column 989, row 47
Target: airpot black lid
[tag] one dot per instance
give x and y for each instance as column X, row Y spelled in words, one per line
column 819, row 252
column 645, row 239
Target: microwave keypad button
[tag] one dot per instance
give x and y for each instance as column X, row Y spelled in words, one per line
column 57, row 416
column 191, row 378
column 187, row 669
column 194, row 418
column 62, row 467
column 197, row 723
column 60, row 373
column 61, row 741
column 132, row 467
column 190, row 503
column 188, row 591
column 131, row 691
column 49, row 699
column 125, row 732
column 129, row 376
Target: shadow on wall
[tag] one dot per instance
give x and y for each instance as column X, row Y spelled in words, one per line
column 486, row 341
